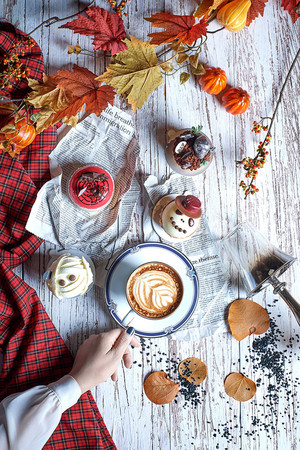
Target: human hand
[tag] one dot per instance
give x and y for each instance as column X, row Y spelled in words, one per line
column 99, row 356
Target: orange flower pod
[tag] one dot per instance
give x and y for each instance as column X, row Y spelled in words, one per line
column 23, row 135
column 213, row 81
column 236, row 100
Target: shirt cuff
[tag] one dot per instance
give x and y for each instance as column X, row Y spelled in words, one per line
column 67, row 390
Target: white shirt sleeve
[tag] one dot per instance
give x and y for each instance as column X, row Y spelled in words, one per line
column 28, row 419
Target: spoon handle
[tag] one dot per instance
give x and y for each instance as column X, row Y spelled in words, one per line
column 279, row 288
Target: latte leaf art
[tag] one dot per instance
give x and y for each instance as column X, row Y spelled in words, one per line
column 155, row 290
column 193, row 370
column 247, row 317
column 239, row 387
column 159, row 388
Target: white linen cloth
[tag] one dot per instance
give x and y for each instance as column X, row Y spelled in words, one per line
column 28, row 419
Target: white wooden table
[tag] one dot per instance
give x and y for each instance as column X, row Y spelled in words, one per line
column 256, row 59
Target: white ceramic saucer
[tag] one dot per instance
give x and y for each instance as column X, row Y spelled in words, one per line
column 116, row 281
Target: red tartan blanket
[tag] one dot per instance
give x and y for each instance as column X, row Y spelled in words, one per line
column 33, row 351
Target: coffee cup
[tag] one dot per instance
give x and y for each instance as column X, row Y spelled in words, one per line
column 154, row 291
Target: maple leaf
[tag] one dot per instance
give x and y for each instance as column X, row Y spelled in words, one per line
column 207, row 6
column 290, row 6
column 108, row 29
column 48, row 94
column 182, row 28
column 86, row 89
column 135, row 72
column 257, row 7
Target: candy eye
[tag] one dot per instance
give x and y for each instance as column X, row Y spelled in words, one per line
column 61, row 282
column 72, row 277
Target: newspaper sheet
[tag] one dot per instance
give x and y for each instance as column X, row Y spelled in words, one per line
column 215, row 291
column 109, row 142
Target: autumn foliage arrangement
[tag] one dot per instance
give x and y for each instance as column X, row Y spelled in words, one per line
column 136, row 67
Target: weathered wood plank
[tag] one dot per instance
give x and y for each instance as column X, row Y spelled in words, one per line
column 256, row 59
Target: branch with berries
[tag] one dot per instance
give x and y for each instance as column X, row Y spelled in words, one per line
column 252, row 165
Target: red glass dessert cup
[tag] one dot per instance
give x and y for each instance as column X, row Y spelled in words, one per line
column 91, row 187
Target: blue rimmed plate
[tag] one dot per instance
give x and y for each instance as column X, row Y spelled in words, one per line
column 116, row 281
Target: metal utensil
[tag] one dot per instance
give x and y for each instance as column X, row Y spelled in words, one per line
column 259, row 263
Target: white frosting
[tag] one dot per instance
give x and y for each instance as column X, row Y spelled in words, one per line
column 66, row 267
column 170, row 219
column 155, row 291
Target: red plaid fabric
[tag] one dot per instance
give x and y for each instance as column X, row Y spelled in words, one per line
column 33, row 351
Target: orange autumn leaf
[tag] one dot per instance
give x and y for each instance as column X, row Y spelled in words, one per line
column 182, row 28
column 257, row 8
column 291, row 7
column 203, row 8
column 239, row 387
column 107, row 29
column 208, row 6
column 246, row 317
column 193, row 370
column 85, row 89
column 159, row 388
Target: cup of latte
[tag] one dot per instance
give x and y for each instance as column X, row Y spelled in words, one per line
column 154, row 290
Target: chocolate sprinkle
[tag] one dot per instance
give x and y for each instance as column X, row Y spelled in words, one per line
column 61, row 282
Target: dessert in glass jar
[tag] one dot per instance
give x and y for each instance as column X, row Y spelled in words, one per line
column 189, row 152
column 91, row 187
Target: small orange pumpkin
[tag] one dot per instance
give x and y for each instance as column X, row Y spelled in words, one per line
column 236, row 100
column 213, row 81
column 233, row 15
column 24, row 133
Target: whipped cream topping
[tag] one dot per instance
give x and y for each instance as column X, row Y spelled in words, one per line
column 71, row 276
column 155, row 291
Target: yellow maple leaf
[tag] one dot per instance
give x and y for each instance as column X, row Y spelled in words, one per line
column 48, row 94
column 135, row 72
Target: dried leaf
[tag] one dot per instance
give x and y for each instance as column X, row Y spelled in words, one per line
column 257, row 8
column 177, row 46
column 159, row 388
column 199, row 71
column 203, row 8
column 136, row 73
column 6, row 108
column 85, row 89
column 184, row 76
column 239, row 387
column 217, row 5
column 193, row 370
column 194, row 60
column 291, row 7
column 108, row 29
column 247, row 317
column 182, row 57
column 48, row 94
column 182, row 28
column 167, row 67
column 8, row 128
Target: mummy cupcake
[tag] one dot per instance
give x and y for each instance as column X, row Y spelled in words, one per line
column 91, row 187
column 180, row 218
column 69, row 276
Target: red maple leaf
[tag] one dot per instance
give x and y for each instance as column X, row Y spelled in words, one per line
column 257, row 8
column 85, row 89
column 107, row 28
column 290, row 6
column 182, row 28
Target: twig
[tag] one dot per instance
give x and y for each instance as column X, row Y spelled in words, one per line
column 216, row 31
column 250, row 188
column 55, row 19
